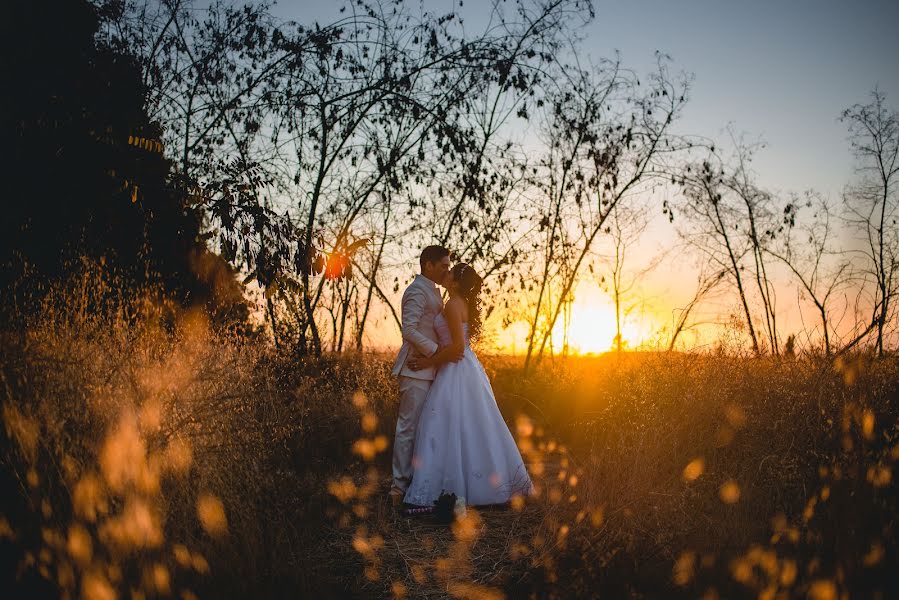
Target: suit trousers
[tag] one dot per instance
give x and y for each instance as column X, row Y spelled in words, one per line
column 412, row 398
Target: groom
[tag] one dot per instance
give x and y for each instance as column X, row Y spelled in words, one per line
column 422, row 302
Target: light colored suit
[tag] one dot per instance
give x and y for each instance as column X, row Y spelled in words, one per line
column 421, row 304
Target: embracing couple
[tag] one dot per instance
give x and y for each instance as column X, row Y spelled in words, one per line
column 450, row 435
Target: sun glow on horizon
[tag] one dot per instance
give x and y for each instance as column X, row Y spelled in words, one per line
column 592, row 327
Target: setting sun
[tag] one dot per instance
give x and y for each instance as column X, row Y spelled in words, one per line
column 592, row 327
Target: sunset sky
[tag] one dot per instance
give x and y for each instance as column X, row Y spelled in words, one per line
column 780, row 72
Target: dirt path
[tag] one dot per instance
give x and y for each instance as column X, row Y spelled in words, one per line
column 417, row 557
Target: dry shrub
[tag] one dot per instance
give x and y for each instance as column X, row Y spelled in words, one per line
column 145, row 453
column 714, row 474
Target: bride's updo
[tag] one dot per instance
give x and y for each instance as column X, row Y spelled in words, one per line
column 470, row 289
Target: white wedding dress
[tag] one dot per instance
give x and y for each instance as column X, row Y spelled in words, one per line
column 462, row 444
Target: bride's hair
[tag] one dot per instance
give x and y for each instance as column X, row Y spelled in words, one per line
column 470, row 289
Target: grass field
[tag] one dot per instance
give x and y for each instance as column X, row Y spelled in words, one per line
column 146, row 456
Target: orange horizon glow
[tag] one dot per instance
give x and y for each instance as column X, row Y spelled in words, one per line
column 592, row 327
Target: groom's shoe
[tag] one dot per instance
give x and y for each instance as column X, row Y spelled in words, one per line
column 396, row 496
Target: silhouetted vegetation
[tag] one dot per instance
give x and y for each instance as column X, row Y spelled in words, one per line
column 315, row 158
column 85, row 172
column 165, row 160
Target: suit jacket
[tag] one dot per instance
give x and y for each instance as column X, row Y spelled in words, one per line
column 421, row 304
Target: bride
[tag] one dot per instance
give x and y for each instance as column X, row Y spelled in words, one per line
column 462, row 444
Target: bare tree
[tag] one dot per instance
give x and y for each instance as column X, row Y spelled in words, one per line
column 807, row 249
column 606, row 139
column 731, row 222
column 372, row 274
column 713, row 229
column 872, row 203
column 626, row 226
column 290, row 135
column 761, row 228
column 706, row 282
column 207, row 79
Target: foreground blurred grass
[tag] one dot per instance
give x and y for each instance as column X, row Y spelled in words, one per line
column 145, row 455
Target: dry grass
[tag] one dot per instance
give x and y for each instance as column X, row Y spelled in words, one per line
column 145, row 455
column 721, row 475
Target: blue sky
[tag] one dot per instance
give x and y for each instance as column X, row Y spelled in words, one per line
column 779, row 71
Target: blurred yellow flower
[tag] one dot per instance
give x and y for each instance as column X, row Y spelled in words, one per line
column 729, row 492
column 684, row 568
column 212, row 514
column 95, row 586
column 79, row 545
column 823, row 589
column 694, row 469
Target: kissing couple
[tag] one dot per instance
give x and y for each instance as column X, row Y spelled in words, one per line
column 450, row 436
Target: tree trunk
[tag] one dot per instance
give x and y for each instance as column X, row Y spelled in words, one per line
column 372, row 278
column 735, row 271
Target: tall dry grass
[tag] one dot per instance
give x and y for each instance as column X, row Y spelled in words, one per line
column 147, row 455
column 717, row 476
